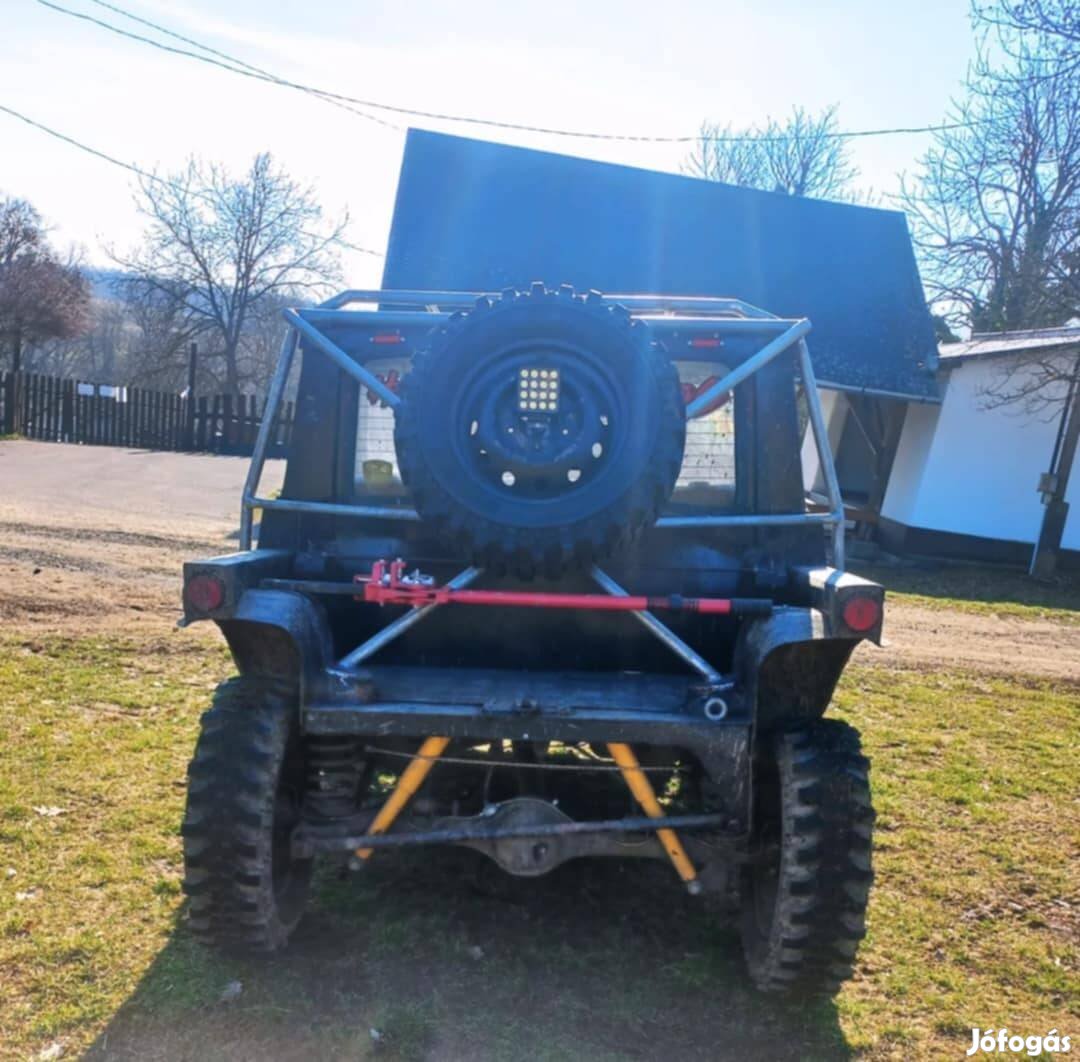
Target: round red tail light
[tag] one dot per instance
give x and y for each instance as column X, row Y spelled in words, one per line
column 204, row 593
column 861, row 613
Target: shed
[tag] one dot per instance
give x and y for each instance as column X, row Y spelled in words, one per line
column 969, row 478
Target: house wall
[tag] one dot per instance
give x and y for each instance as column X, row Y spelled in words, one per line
column 968, row 470
column 909, row 466
column 834, row 407
column 1071, row 538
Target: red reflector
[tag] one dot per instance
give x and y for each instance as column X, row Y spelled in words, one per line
column 706, row 341
column 386, row 338
column 861, row 613
column 204, row 593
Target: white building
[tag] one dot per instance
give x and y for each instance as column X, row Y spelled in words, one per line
column 964, row 476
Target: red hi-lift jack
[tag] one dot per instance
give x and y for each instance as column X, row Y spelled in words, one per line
column 389, row 584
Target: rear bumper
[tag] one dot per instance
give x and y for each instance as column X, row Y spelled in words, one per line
column 481, row 705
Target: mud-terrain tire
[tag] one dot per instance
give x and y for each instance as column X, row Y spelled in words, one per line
column 804, row 907
column 459, row 435
column 245, row 784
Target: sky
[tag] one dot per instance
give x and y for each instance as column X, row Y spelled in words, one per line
column 629, row 68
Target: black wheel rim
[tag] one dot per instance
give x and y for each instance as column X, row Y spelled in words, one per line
column 538, row 422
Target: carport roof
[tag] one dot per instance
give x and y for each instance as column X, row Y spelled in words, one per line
column 999, row 344
column 478, row 216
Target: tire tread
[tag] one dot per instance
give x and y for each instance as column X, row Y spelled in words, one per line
column 825, row 864
column 228, row 823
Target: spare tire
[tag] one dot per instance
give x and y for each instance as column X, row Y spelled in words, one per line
column 541, row 429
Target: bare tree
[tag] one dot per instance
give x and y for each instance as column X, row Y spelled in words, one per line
column 41, row 296
column 730, row 156
column 163, row 329
column 98, row 353
column 995, row 208
column 1059, row 18
column 803, row 155
column 1039, row 384
column 218, row 251
column 1054, row 23
column 264, row 338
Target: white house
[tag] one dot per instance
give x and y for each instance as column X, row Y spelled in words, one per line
column 965, row 476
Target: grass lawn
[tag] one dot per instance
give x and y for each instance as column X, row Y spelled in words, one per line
column 975, row 917
column 984, row 591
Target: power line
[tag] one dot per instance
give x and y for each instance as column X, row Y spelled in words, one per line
column 178, row 36
column 239, row 66
column 230, row 58
column 148, row 175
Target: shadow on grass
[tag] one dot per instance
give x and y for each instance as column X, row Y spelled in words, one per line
column 975, row 583
column 444, row 957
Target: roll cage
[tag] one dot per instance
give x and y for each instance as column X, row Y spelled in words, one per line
column 416, row 312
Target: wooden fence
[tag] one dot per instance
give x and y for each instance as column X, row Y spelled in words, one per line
column 57, row 410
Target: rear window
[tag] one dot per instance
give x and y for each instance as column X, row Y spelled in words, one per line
column 707, row 476
column 376, row 462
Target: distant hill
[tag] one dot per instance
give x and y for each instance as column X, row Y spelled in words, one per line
column 105, row 283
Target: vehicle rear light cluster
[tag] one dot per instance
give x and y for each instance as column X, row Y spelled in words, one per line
column 861, row 613
column 204, row 593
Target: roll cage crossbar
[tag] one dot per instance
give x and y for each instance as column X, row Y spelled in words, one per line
column 403, row 309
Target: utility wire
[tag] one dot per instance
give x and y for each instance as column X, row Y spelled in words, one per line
column 147, row 175
column 179, row 37
column 230, row 58
column 234, row 66
column 238, row 66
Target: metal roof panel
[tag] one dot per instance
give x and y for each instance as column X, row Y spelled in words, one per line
column 475, row 215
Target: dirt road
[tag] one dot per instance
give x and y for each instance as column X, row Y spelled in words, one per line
column 938, row 638
column 95, row 536
column 110, row 488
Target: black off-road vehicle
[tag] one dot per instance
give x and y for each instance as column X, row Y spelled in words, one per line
column 542, row 582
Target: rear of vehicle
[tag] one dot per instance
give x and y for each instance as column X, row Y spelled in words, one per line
column 542, row 583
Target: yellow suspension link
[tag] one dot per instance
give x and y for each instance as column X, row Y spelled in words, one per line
column 410, row 781
column 642, row 789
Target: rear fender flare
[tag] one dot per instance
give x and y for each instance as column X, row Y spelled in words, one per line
column 281, row 634
column 791, row 666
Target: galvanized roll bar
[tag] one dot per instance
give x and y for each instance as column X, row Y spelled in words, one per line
column 828, row 466
column 402, row 624
column 341, row 359
column 425, row 319
column 774, row 348
column 262, row 440
column 747, row 520
column 464, row 300
column 662, row 631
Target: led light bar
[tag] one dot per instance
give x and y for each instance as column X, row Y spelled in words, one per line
column 538, row 390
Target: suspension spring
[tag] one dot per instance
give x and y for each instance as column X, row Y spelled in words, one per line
column 335, row 770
